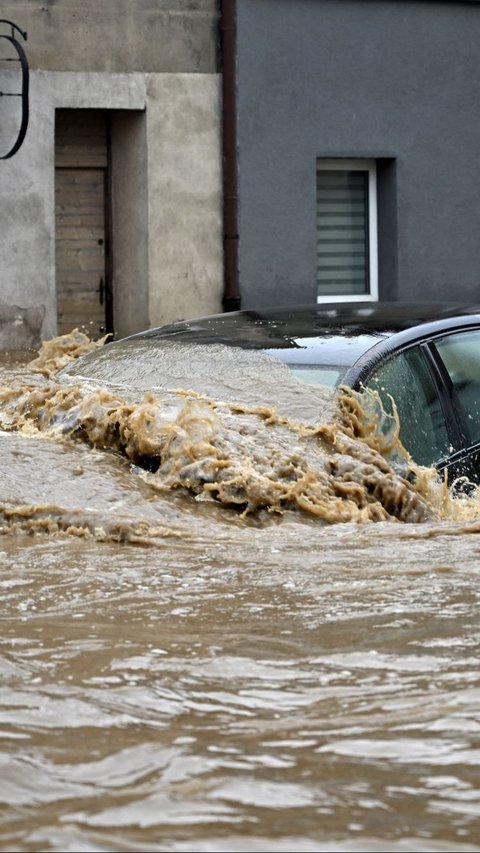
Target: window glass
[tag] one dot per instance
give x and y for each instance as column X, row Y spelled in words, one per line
column 346, row 229
column 312, row 375
column 407, row 379
column 461, row 355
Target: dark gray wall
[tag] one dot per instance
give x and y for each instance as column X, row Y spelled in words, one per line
column 394, row 80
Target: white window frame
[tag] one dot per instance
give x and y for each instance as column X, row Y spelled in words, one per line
column 369, row 166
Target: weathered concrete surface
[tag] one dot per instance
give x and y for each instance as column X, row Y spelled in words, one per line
column 118, row 35
column 20, row 328
column 27, row 213
column 166, row 187
column 130, row 221
column 185, row 196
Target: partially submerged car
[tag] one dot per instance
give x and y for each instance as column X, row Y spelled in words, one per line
column 423, row 356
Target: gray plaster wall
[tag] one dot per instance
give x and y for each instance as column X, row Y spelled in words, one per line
column 118, row 35
column 397, row 81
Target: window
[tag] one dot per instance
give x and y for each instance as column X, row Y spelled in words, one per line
column 461, row 356
column 346, row 230
column 423, row 431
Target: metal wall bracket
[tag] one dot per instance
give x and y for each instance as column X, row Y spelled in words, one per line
column 24, row 94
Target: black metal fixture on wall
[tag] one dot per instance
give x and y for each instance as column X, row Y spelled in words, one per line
column 25, row 75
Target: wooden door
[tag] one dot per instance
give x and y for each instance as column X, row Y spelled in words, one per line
column 81, row 218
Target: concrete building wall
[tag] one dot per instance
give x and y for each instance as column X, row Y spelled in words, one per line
column 131, row 223
column 118, row 35
column 168, row 255
column 185, row 239
column 393, row 81
column 27, row 212
column 152, row 66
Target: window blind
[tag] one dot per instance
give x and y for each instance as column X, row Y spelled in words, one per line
column 342, row 232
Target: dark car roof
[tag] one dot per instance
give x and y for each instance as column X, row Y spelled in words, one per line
column 261, row 328
column 311, row 334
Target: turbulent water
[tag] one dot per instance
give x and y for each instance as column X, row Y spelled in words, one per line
column 228, row 624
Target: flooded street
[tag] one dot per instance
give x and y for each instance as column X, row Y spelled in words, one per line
column 197, row 663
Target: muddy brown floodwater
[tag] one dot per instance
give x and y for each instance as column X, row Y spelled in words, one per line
column 268, row 641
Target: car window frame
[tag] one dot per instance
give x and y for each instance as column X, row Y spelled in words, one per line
column 446, row 393
column 449, row 416
column 469, row 447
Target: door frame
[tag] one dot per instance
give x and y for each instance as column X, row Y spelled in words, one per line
column 106, row 289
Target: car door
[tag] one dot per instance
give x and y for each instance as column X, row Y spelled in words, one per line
column 427, row 429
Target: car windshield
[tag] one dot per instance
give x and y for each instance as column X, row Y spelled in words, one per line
column 249, row 377
column 318, row 360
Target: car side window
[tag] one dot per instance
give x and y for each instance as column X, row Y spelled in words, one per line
column 407, row 379
column 460, row 354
